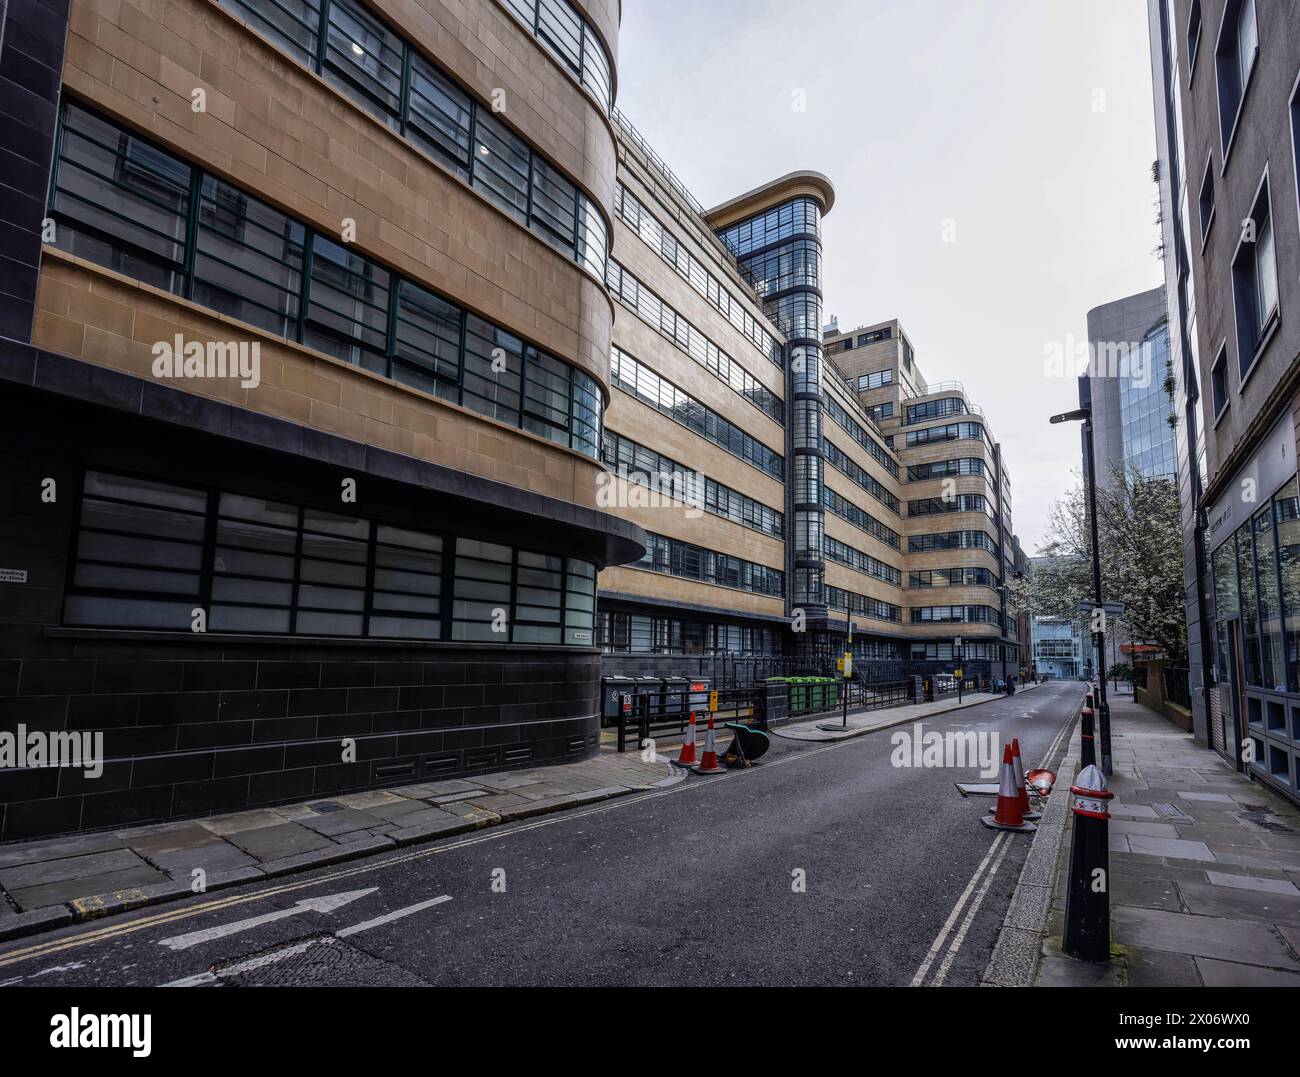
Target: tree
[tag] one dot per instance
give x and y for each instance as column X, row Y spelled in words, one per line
column 1141, row 559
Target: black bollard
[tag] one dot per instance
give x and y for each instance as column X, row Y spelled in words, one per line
column 1087, row 745
column 1087, row 902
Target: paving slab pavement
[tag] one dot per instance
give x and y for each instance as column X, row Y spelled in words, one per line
column 52, row 882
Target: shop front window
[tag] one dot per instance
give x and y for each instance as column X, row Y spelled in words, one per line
column 1286, row 513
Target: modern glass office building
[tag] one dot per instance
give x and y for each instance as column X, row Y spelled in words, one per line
column 1125, row 386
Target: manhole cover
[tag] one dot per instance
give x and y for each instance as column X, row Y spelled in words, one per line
column 315, row 961
column 325, row 806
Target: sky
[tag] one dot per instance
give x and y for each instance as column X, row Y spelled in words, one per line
column 991, row 161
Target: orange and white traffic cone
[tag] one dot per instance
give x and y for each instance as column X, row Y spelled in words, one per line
column 709, row 764
column 1007, row 815
column 1018, row 768
column 687, row 756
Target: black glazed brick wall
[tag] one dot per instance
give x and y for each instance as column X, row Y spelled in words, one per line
column 32, row 36
column 196, row 724
column 194, row 727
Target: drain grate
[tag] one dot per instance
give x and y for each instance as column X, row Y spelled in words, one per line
column 1172, row 811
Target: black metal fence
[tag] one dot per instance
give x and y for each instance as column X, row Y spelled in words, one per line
column 1177, row 686
column 668, row 714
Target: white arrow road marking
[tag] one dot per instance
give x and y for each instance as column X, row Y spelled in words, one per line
column 389, row 917
column 326, row 904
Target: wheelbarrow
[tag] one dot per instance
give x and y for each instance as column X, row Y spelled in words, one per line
column 747, row 744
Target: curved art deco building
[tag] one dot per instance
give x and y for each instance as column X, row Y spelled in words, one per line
column 304, row 396
column 775, row 234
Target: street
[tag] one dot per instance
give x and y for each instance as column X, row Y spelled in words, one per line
column 823, row 864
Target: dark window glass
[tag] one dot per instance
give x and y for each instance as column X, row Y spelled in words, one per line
column 560, row 28
column 292, row 24
column 347, row 315
column 555, row 204
column 363, row 58
column 438, row 117
column 248, row 259
column 120, row 201
column 426, row 345
column 501, row 165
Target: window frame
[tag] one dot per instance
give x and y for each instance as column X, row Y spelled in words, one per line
column 1219, row 370
column 1262, row 330
column 318, row 320
column 375, row 527
column 1223, row 55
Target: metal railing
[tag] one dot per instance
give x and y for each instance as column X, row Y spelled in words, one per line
column 659, row 715
column 656, row 162
column 1177, row 686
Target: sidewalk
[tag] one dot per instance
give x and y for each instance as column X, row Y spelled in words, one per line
column 1204, row 869
column 49, row 883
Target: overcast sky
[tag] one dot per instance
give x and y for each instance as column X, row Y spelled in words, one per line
column 1025, row 126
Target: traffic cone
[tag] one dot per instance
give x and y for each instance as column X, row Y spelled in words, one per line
column 709, row 764
column 1007, row 816
column 1025, row 811
column 687, row 756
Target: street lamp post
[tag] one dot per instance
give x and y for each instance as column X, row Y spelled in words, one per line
column 1099, row 637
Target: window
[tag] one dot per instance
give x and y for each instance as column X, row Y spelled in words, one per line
column 384, row 74
column 639, row 464
column 849, row 467
column 695, row 563
column 935, row 409
column 291, row 24
column 950, row 432
column 846, row 510
column 874, row 337
column 501, row 165
column 655, row 312
column 438, row 119
column 855, row 430
column 1295, row 137
column 1254, row 279
column 563, row 31
column 876, row 379
column 139, row 554
column 1219, row 382
column 1234, row 63
column 634, row 377
column 363, row 58
column 1193, row 34
column 248, row 259
column 659, row 239
column 121, row 202
column 1207, row 199
column 144, row 559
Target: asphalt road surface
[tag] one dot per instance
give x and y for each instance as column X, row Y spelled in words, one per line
column 823, row 864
